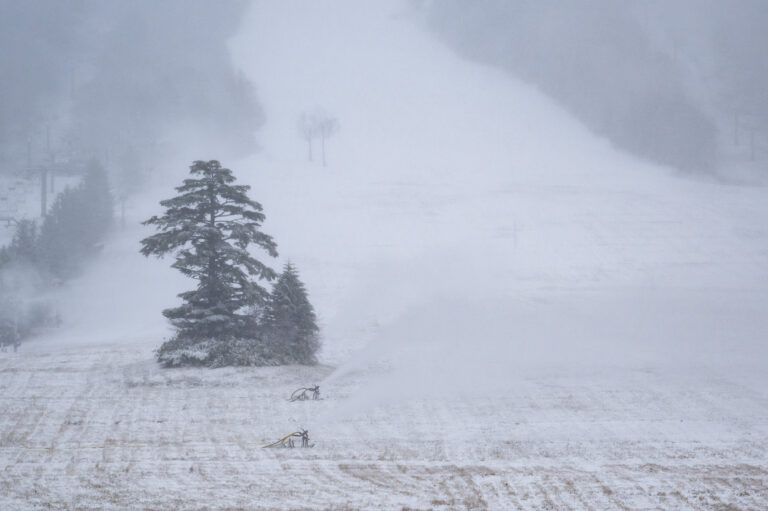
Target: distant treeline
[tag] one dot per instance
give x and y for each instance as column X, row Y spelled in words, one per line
column 38, row 259
column 113, row 80
column 657, row 78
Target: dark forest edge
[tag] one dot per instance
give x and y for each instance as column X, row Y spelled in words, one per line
column 665, row 91
column 40, row 259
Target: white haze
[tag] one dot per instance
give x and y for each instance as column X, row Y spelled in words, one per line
column 471, row 231
column 466, row 229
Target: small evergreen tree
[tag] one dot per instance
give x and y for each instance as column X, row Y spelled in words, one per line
column 23, row 312
column 60, row 247
column 209, row 226
column 23, row 249
column 290, row 321
column 76, row 224
column 9, row 333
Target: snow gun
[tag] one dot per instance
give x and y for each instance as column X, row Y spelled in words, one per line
column 302, row 394
column 287, row 440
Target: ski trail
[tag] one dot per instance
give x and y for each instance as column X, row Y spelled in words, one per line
column 453, row 189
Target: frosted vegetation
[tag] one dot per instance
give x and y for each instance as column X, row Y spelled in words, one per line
column 229, row 318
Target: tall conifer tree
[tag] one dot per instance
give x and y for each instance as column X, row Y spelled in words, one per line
column 209, row 227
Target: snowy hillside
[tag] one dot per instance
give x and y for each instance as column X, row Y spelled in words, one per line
column 515, row 314
column 452, row 181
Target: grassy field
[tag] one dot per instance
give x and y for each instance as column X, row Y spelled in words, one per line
column 102, row 427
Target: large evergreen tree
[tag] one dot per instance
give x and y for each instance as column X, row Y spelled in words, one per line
column 209, row 227
column 290, row 320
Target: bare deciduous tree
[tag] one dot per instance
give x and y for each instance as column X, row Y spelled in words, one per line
column 307, row 131
column 318, row 123
column 326, row 126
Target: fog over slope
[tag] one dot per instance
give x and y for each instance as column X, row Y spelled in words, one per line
column 466, row 217
column 463, row 217
column 516, row 311
column 123, row 82
column 676, row 82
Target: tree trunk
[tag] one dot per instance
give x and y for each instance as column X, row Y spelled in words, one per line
column 212, row 284
column 43, row 192
column 322, row 140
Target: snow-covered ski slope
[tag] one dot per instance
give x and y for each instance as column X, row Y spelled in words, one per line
column 453, row 182
column 516, row 315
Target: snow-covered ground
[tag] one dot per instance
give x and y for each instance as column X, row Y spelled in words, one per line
column 105, row 428
column 515, row 314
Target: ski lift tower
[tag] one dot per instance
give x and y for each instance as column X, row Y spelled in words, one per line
column 42, row 172
column 7, row 212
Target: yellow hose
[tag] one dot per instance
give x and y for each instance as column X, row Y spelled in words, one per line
column 286, row 437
